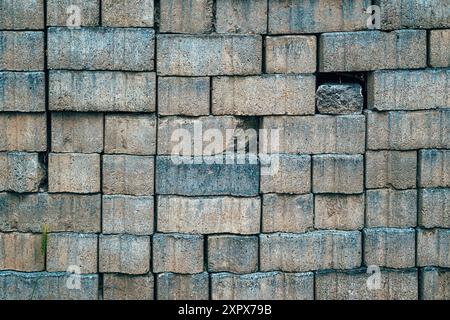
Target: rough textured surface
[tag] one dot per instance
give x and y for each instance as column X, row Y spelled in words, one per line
column 432, row 247
column 102, row 91
column 59, row 13
column 263, row 286
column 124, row 254
column 18, row 15
column 75, row 49
column 317, row 134
column 287, row 213
column 59, row 212
column 177, row 253
column 372, row 50
column 20, row 172
column 186, row 16
column 391, row 208
column 21, row 252
column 124, row 287
column 46, row 286
column 291, row 54
column 127, row 214
column 208, row 215
column 435, row 284
column 127, row 13
column 197, row 179
column 409, row 90
column 130, row 134
column 291, row 16
column 389, row 247
column 440, row 48
column 263, row 95
column 434, row 208
column 398, row 130
column 395, row 169
column 22, row 91
column 338, row 174
column 224, row 149
column 66, row 250
column 343, row 212
column 22, row 50
column 237, row 254
column 335, row 98
column 77, row 132
column 74, row 173
column 23, row 132
column 126, row 174
column 241, row 16
column 172, row 286
column 293, row 176
column 209, row 55
column 310, row 251
column 183, row 96
column 352, row 285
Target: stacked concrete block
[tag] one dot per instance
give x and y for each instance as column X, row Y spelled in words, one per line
column 224, row 149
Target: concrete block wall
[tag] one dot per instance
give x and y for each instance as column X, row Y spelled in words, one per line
column 93, row 205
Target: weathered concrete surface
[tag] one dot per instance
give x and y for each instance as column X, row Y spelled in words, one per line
column 291, row 54
column 74, row 173
column 183, row 96
column 409, row 90
column 263, row 95
column 310, row 251
column 204, row 179
column 126, row 287
column 391, row 208
column 287, row 213
column 230, row 253
column 57, row 14
column 21, row 172
column 128, row 174
column 209, row 55
column 398, row 14
column 129, row 13
column 335, row 98
column 124, row 254
column 408, row 130
column 263, row 286
column 236, row 16
column 372, row 50
column 353, row 285
column 186, row 16
column 293, row 16
column 206, row 215
column 65, row 250
column 127, row 214
column 172, row 286
column 59, row 212
column 126, row 49
column 435, row 284
column 22, row 91
column 102, row 91
column 178, row 253
column 21, row 15
column 77, row 132
column 45, row 286
column 130, row 134
column 316, row 134
column 434, row 208
column 21, row 252
column 23, row 132
column 390, row 247
column 21, row 50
